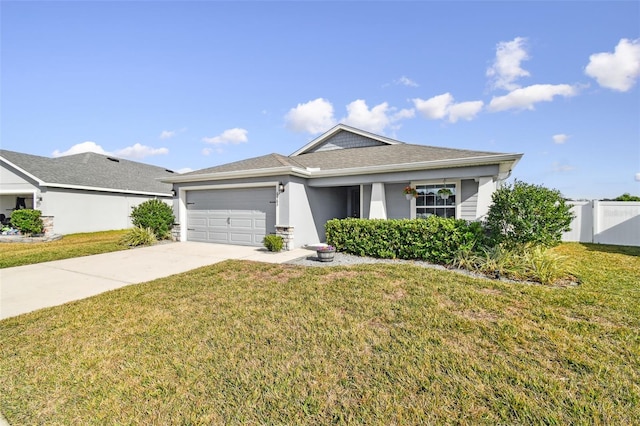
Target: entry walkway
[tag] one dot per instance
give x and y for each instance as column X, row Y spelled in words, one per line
column 27, row 288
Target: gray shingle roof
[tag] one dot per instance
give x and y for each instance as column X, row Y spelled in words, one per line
column 92, row 170
column 264, row 162
column 383, row 155
column 349, row 158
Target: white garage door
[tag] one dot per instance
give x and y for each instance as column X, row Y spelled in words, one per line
column 231, row 216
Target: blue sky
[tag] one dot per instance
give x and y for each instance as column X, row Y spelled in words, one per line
column 189, row 85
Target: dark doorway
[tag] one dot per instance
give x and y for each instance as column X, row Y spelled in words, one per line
column 353, row 201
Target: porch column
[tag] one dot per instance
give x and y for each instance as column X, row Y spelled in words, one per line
column 486, row 186
column 378, row 205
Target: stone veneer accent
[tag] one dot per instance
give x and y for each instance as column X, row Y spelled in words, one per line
column 175, row 232
column 47, row 225
column 286, row 232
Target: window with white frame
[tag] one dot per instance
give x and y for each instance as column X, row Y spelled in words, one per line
column 436, row 199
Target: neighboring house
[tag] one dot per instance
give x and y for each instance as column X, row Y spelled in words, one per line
column 345, row 172
column 81, row 193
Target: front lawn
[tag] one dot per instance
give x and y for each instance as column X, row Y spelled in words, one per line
column 74, row 245
column 251, row 343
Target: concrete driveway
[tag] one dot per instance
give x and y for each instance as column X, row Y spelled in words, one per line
column 27, row 288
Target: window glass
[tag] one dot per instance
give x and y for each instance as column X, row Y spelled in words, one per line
column 432, row 201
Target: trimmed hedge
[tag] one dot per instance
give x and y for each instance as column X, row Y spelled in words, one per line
column 434, row 239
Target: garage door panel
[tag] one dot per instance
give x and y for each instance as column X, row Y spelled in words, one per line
column 242, row 223
column 218, row 237
column 241, row 216
column 214, row 222
column 241, row 238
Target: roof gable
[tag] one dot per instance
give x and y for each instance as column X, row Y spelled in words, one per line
column 344, row 137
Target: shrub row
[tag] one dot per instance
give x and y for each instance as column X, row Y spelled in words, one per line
column 433, row 239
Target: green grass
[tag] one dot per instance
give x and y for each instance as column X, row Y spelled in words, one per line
column 251, row 343
column 74, row 245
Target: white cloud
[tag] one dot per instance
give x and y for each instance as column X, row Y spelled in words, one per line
column 618, row 70
column 403, row 114
column 556, row 167
column 638, row 176
column 136, row 151
column 166, row 134
column 443, row 106
column 506, row 68
column 139, row 151
column 376, row 119
column 406, row 81
column 526, row 97
column 79, row 148
column 313, row 117
column 434, row 108
column 560, row 138
column 184, row 170
column 373, row 120
column 234, row 136
column 464, row 110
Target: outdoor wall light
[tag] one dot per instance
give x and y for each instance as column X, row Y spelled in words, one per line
column 173, row 192
column 281, row 187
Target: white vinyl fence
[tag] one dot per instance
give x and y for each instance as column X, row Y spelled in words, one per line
column 605, row 222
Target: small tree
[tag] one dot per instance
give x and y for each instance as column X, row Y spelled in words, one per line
column 28, row 221
column 524, row 213
column 627, row 197
column 154, row 214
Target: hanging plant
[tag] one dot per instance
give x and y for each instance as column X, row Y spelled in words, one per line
column 410, row 192
column 444, row 193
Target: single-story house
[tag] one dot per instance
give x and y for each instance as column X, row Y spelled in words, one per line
column 345, row 172
column 79, row 193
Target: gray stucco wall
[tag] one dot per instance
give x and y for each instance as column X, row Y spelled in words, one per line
column 87, row 211
column 311, row 208
column 398, row 207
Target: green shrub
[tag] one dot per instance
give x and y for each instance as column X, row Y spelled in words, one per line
column 523, row 213
column 273, row 242
column 139, row 237
column 433, row 239
column 28, row 221
column 154, row 214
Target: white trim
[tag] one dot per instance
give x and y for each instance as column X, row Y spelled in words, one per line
column 458, row 204
column 33, row 193
column 17, row 191
column 99, row 189
column 182, row 199
column 238, row 174
column 21, row 170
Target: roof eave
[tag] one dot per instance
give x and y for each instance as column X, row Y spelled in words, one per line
column 101, row 189
column 423, row 165
column 239, row 174
column 318, row 173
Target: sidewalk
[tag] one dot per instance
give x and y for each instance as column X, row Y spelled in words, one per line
column 28, row 288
